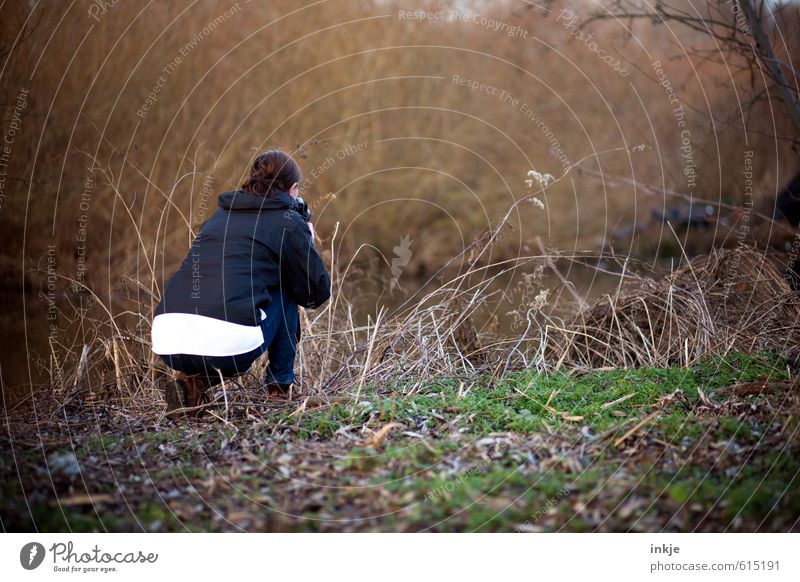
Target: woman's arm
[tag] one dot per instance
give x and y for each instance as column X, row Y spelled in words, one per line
column 302, row 271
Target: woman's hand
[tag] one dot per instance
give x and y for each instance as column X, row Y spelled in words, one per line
column 313, row 234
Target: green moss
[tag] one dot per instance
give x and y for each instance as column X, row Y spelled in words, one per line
column 523, row 401
column 755, row 492
column 181, row 472
column 157, row 517
column 715, row 372
column 100, row 444
column 160, row 438
column 491, row 498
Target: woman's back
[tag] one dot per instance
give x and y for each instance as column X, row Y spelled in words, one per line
column 249, row 245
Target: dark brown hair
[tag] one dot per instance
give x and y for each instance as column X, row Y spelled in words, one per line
column 272, row 172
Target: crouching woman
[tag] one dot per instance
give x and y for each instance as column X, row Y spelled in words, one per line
column 236, row 294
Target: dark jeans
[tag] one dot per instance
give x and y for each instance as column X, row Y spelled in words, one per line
column 280, row 342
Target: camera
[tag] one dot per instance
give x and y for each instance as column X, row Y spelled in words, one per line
column 302, row 209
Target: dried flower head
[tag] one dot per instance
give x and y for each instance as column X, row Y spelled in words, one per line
column 542, row 179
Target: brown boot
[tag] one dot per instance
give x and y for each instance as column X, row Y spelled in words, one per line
column 195, row 389
column 279, row 391
column 184, row 392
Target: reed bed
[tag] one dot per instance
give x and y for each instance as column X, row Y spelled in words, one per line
column 729, row 300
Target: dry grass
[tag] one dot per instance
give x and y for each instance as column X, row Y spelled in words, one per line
column 730, row 300
column 342, row 73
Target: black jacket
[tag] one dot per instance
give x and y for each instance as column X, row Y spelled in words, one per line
column 249, row 248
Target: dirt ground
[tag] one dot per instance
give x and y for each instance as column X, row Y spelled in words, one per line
column 713, row 447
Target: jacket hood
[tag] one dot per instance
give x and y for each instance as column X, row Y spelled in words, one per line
column 240, row 200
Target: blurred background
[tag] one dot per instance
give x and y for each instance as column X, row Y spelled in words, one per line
column 417, row 126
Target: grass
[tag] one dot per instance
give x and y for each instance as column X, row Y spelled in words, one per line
column 529, row 452
column 523, row 401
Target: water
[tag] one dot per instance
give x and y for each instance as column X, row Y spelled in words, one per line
column 506, row 294
column 24, row 338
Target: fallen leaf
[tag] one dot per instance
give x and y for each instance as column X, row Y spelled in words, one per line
column 84, row 499
column 377, row 438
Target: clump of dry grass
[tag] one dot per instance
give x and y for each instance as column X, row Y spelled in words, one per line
column 727, row 300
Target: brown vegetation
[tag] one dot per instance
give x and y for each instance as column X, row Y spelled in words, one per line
column 376, row 108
